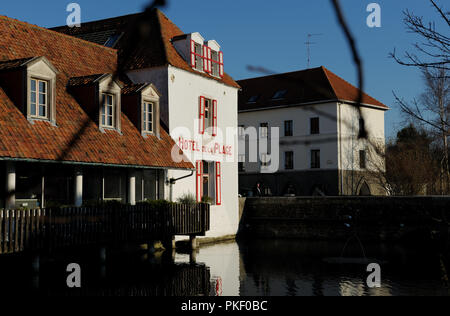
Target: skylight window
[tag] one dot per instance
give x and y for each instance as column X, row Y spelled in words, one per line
column 279, row 95
column 253, row 99
column 112, row 40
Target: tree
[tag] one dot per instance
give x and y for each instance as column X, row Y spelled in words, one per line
column 434, row 50
column 410, row 166
column 432, row 57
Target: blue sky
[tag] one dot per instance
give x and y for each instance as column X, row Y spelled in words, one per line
column 272, row 35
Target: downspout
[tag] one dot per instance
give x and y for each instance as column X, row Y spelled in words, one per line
column 173, row 181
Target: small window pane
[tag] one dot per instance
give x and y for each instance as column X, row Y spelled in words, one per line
column 33, row 97
column 33, row 85
column 42, row 99
column 42, row 87
column 42, row 111
column 33, row 108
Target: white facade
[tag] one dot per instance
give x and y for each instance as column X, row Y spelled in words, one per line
column 181, row 91
column 337, row 139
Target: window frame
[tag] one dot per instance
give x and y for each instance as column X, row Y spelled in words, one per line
column 215, row 63
column 315, row 163
column 113, row 110
column 313, row 131
column 145, row 121
column 198, row 57
column 37, row 103
column 291, row 165
column 289, row 123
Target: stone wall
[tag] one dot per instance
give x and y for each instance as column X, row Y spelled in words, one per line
column 339, row 218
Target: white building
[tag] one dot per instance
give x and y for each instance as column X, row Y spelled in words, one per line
column 320, row 152
column 198, row 103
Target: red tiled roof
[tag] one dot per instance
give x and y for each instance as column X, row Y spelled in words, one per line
column 306, row 86
column 345, row 91
column 156, row 49
column 76, row 138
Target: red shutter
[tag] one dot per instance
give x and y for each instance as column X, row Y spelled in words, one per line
column 205, row 59
column 221, row 71
column 214, row 118
column 209, row 60
column 218, row 184
column 199, row 177
column 201, row 118
column 192, row 53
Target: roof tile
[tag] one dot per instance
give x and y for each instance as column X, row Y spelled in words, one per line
column 76, row 138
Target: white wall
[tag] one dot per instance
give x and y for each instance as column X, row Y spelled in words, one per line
column 301, row 143
column 181, row 92
column 350, row 144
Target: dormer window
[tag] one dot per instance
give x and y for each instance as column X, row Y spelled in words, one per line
column 39, row 99
column 108, row 110
column 100, row 97
column 140, row 103
column 279, row 95
column 31, row 84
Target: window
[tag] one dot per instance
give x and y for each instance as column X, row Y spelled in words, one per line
column 107, row 110
column 315, row 159
column 253, row 99
column 315, row 126
column 112, row 40
column 148, row 117
column 264, row 130
column 39, row 99
column 215, row 63
column 209, row 181
column 289, row 160
column 208, row 115
column 279, row 95
column 196, row 56
column 362, row 159
column 288, row 128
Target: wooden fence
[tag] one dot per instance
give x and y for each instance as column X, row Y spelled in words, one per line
column 31, row 230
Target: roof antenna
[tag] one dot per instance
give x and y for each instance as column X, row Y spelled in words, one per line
column 308, row 47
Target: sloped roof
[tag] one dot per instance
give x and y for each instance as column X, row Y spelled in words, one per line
column 302, row 87
column 155, row 49
column 76, row 138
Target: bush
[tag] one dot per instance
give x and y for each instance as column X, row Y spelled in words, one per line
column 206, row 199
column 155, row 203
column 188, row 199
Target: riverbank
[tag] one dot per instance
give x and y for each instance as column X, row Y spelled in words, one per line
column 405, row 219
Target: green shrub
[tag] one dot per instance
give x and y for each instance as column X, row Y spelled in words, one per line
column 188, row 199
column 206, row 199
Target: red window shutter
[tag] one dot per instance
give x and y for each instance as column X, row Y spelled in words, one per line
column 221, row 70
column 218, row 184
column 199, row 176
column 201, row 118
column 205, row 59
column 192, row 53
column 209, row 60
column 214, row 118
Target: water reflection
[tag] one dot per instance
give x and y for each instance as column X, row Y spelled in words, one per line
column 250, row 268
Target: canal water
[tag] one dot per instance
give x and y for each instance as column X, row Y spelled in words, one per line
column 247, row 268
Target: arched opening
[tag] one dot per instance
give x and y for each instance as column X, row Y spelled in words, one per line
column 364, row 190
